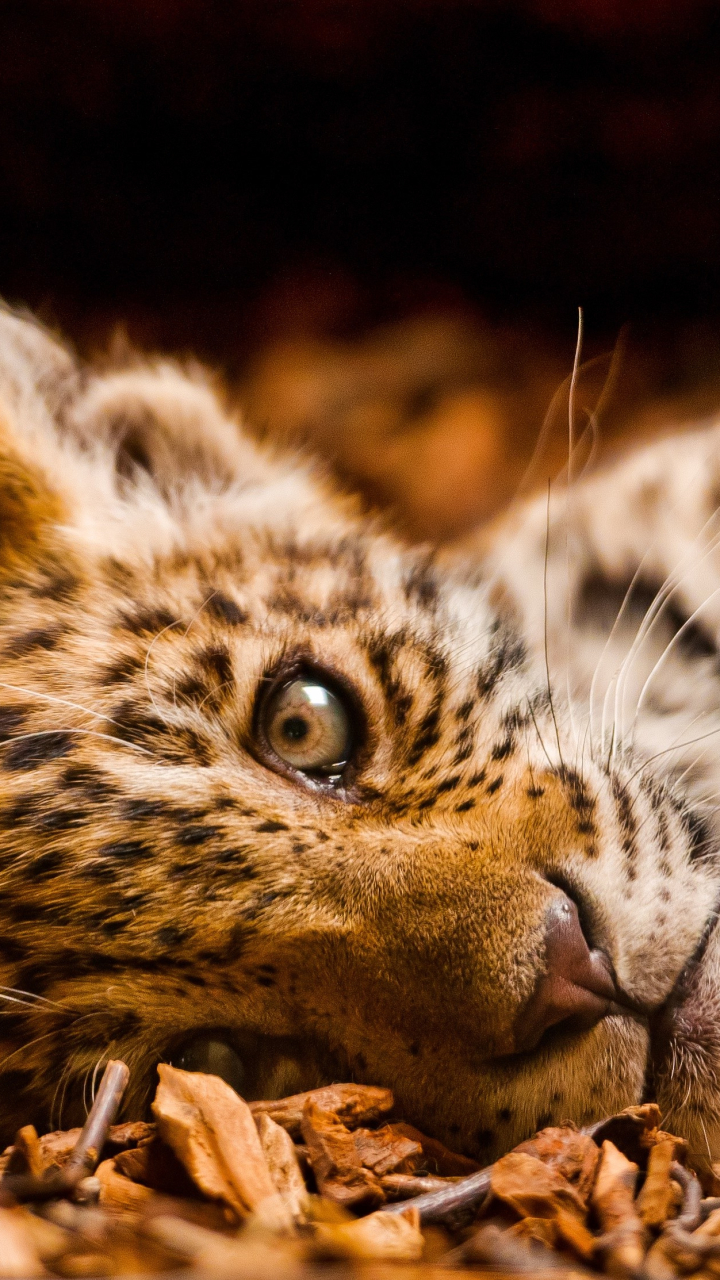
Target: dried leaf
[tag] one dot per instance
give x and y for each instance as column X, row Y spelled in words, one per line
column 57, row 1146
column 571, row 1231
column 119, row 1194
column 438, row 1159
column 213, row 1134
column 657, row 1197
column 575, row 1155
column 612, row 1197
column 387, row 1151
column 239, row 1257
column 131, row 1134
column 26, row 1155
column 283, row 1165
column 383, row 1236
column 533, row 1189
column 541, row 1230
column 156, row 1165
column 354, row 1104
column 499, row 1250
column 18, row 1256
column 339, row 1172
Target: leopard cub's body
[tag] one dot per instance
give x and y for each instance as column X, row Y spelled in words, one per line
column 490, row 882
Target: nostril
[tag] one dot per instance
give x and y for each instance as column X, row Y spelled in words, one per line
column 577, row 986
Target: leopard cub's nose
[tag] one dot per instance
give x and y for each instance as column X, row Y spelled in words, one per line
column 577, row 987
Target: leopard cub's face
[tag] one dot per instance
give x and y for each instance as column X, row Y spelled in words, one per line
column 284, row 800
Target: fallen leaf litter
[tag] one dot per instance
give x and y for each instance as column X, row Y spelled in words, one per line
column 280, row 1188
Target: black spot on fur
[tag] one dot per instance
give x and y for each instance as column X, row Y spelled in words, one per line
column 36, row 750
column 534, row 793
column 11, row 719
column 508, row 654
column 477, row 778
column 272, row 825
column 56, row 584
column 504, row 1115
column 421, row 585
column 121, row 671
column 125, row 851
column 485, row 1139
column 502, row 750
column 699, row 833
column 91, row 781
column 46, row 863
column 226, row 610
column 449, row 784
column 197, row 835
column 147, row 621
column 62, row 819
column 466, row 804
column 170, row 936
column 136, row 810
column 216, row 661
column 626, row 821
column 428, row 734
column 495, row 785
column 37, row 638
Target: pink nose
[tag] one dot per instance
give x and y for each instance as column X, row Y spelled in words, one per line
column 577, row 987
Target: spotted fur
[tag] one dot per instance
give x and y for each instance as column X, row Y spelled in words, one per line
column 158, row 877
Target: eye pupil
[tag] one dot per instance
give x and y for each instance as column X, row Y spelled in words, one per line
column 295, row 728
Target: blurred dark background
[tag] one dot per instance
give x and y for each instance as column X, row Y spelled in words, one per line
column 378, row 217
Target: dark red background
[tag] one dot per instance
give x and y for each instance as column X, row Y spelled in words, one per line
column 181, row 156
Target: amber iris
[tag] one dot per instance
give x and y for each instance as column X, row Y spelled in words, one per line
column 308, row 727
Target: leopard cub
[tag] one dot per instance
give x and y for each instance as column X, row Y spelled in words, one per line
column 285, row 799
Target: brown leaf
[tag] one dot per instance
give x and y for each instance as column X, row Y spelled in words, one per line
column 241, row 1257
column 119, row 1194
column 18, row 1255
column 573, row 1232
column 500, row 1250
column 213, row 1134
column 132, row 1202
column 26, row 1154
column 387, row 1151
column 533, row 1189
column 283, row 1165
column 131, row 1134
column 354, row 1104
column 336, row 1163
column 572, row 1154
column 156, row 1165
column 541, row 1230
column 437, row 1158
column 612, row 1197
column 57, row 1146
column 383, row 1236
column 657, row 1197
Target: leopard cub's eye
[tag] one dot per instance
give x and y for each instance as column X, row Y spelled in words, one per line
column 308, row 727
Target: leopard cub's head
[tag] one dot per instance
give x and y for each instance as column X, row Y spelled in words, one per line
column 284, row 799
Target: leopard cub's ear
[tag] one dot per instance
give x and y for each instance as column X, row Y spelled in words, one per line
column 165, row 425
column 38, row 379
